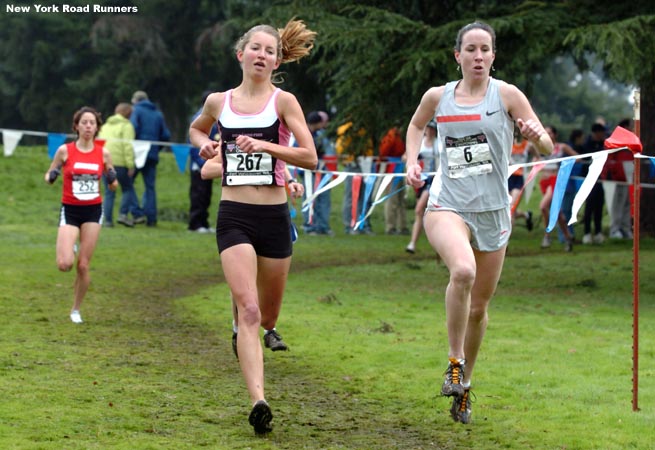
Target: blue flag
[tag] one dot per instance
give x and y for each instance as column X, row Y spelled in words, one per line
column 55, row 140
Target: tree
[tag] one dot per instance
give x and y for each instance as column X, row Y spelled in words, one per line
column 626, row 45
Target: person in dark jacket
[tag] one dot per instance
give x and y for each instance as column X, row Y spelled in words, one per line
column 149, row 125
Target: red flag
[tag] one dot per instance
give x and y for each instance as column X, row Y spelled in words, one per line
column 624, row 138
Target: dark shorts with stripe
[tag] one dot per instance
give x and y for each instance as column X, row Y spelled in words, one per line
column 265, row 227
column 76, row 215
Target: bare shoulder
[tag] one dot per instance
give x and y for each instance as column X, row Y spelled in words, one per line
column 214, row 104
column 286, row 98
column 287, row 102
column 508, row 89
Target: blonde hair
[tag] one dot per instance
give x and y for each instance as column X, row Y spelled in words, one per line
column 294, row 41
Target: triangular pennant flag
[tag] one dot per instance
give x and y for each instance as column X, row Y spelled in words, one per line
column 10, row 138
column 181, row 153
column 365, row 163
column 624, row 138
column 356, row 185
column 596, row 167
column 337, row 181
column 369, row 182
column 309, row 192
column 141, row 149
column 381, row 189
column 563, row 175
column 55, row 140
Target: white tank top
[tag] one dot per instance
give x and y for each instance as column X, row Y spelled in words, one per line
column 474, row 151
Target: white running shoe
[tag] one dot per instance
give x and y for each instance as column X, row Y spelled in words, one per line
column 586, row 239
column 76, row 317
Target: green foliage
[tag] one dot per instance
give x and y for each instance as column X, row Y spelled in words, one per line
column 625, row 47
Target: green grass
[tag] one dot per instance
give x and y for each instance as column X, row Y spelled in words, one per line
column 152, row 368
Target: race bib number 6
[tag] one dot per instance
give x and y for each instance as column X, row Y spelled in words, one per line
column 468, row 156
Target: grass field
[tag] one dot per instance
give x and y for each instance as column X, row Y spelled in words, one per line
column 152, row 368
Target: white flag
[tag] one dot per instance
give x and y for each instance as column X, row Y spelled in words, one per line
column 10, row 138
column 141, row 149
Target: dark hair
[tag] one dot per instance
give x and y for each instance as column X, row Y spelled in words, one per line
column 475, row 26
column 78, row 115
column 598, row 127
column 553, row 129
column 314, row 117
column 575, row 134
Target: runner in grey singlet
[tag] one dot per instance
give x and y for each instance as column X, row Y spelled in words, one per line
column 476, row 143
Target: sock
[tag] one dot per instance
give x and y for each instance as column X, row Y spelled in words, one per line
column 268, row 331
column 466, row 385
column 235, row 327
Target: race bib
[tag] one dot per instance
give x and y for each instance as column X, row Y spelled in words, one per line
column 86, row 186
column 247, row 168
column 468, row 156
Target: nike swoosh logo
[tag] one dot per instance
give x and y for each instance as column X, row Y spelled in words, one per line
column 492, row 112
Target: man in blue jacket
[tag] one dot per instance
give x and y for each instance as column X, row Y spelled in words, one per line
column 200, row 191
column 149, row 125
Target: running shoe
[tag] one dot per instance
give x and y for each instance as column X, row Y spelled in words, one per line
column 529, row 224
column 545, row 242
column 75, row 316
column 260, row 417
column 454, row 375
column 461, row 409
column 274, row 341
column 568, row 246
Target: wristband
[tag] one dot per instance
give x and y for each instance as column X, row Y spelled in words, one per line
column 291, row 180
column 111, row 176
column 52, row 175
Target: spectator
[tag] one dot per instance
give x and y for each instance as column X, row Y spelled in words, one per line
column 319, row 222
column 594, row 206
column 620, row 168
column 521, row 151
column 346, row 140
column 547, row 185
column 200, row 191
column 119, row 132
column 428, row 157
column 392, row 150
column 149, row 125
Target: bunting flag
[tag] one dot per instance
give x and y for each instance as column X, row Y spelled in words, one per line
column 596, row 167
column 10, row 139
column 381, row 189
column 369, row 183
column 55, row 140
column 141, row 149
column 309, row 192
column 332, row 184
column 356, row 184
column 563, row 175
column 181, row 152
column 528, row 186
column 622, row 137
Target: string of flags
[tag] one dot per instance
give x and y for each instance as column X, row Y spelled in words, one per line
column 11, row 138
column 378, row 180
